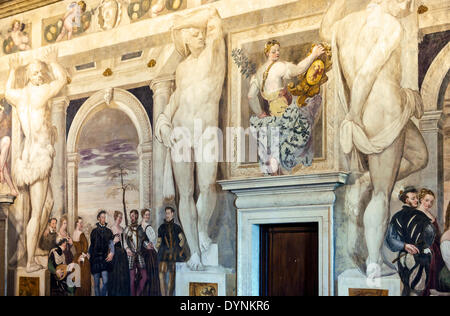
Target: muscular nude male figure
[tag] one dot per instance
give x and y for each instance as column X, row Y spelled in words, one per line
column 199, row 81
column 379, row 100
column 33, row 169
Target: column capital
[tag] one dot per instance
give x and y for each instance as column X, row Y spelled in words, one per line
column 144, row 149
column 73, row 158
column 60, row 103
column 432, row 121
column 160, row 84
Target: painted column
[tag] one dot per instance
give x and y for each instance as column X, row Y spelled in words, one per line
column 162, row 89
column 73, row 160
column 145, row 175
column 58, row 177
column 432, row 176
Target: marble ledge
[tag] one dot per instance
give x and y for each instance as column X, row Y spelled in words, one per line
column 281, row 192
column 328, row 179
column 7, row 198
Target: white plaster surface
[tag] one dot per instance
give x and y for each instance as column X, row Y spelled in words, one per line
column 217, row 274
column 353, row 278
column 211, row 256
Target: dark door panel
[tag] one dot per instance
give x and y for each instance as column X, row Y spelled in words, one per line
column 289, row 260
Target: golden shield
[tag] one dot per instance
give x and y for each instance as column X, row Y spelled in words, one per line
column 315, row 72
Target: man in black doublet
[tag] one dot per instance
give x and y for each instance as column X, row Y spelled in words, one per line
column 410, row 232
column 101, row 253
column 171, row 249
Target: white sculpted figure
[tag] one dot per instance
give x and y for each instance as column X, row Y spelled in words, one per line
column 379, row 97
column 199, row 81
column 32, row 170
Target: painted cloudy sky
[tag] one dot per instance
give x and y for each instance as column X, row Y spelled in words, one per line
column 107, row 139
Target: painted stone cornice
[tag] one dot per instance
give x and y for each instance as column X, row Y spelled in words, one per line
column 13, row 7
column 285, row 191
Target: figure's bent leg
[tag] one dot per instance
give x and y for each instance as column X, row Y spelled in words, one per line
column 187, row 211
column 415, row 153
column 383, row 170
column 206, row 203
column 38, row 195
column 48, row 206
column 61, row 35
column 357, row 194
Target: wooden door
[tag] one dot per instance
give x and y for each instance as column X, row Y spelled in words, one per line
column 289, row 260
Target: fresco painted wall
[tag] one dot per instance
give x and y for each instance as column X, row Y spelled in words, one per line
column 107, row 155
column 123, row 58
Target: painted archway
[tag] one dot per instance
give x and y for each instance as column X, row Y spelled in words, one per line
column 433, row 89
column 126, row 102
column 432, row 83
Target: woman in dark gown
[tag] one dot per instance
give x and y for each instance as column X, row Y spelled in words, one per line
column 119, row 278
column 81, row 246
column 150, row 257
column 426, row 200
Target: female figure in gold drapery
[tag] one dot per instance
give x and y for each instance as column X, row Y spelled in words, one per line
column 283, row 115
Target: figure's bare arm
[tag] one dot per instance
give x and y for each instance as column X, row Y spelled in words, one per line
column 12, row 95
column 215, row 44
column 172, row 107
column 69, row 12
column 334, row 13
column 214, row 32
column 163, row 126
column 293, row 70
column 386, row 44
column 58, row 71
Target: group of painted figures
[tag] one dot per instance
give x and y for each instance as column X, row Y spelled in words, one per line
column 130, row 261
column 414, row 233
